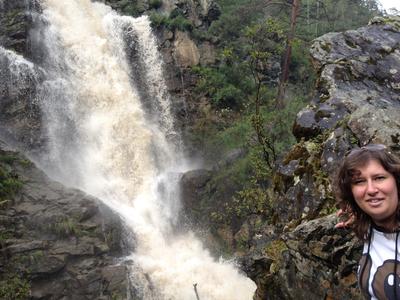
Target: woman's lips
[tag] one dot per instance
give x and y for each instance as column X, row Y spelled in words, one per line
column 374, row 201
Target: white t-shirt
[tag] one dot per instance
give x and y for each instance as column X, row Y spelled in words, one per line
column 380, row 267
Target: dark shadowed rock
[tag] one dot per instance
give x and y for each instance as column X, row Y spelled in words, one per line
column 62, row 242
column 14, row 25
column 19, row 112
column 193, row 185
column 320, row 262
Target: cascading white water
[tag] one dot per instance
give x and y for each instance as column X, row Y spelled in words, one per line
column 103, row 141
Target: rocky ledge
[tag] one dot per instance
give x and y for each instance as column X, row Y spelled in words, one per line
column 55, row 242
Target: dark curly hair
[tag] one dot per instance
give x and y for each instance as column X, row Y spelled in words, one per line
column 355, row 159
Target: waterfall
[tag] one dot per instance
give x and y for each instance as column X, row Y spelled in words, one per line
column 106, row 139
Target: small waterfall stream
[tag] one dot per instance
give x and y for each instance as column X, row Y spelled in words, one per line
column 105, row 140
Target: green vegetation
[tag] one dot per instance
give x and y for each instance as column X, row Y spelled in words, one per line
column 9, row 181
column 274, row 251
column 64, row 227
column 241, row 112
column 154, row 4
column 175, row 21
column 14, row 287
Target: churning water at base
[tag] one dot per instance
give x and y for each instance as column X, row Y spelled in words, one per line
column 104, row 139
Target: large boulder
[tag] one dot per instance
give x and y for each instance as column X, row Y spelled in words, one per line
column 358, row 102
column 359, row 83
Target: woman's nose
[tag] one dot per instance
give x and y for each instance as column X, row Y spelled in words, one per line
column 371, row 187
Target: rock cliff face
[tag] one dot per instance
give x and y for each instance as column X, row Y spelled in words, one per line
column 19, row 112
column 298, row 254
column 56, row 242
column 14, row 25
column 357, row 102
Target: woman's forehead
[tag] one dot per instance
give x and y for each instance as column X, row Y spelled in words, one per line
column 370, row 166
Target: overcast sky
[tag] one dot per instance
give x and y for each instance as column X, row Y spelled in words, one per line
column 390, row 3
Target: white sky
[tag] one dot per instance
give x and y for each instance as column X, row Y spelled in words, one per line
column 390, row 3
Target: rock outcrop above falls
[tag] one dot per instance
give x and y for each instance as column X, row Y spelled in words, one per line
column 55, row 242
column 357, row 102
column 359, row 78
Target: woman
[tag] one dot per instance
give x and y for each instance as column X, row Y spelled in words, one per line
column 367, row 189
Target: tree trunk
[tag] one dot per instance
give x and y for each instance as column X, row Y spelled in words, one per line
column 288, row 52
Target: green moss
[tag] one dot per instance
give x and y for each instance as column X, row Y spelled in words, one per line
column 64, row 227
column 242, row 242
column 36, row 255
column 14, row 288
column 275, row 248
column 180, row 23
column 25, row 163
column 8, row 158
column 274, row 251
column 173, row 22
column 117, row 296
column 251, row 201
column 391, row 20
column 5, row 235
column 326, row 46
column 9, row 181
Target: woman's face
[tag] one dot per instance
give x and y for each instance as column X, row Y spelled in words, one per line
column 375, row 192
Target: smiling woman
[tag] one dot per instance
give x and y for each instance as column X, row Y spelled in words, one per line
column 375, row 192
column 367, row 188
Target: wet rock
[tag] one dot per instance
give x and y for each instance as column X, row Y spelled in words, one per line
column 44, row 266
column 19, row 114
column 305, row 124
column 14, row 25
column 193, row 184
column 62, row 242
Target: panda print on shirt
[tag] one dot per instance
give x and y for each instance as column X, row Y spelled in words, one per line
column 383, row 282
column 376, row 271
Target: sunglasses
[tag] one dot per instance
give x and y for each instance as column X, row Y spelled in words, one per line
column 369, row 147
